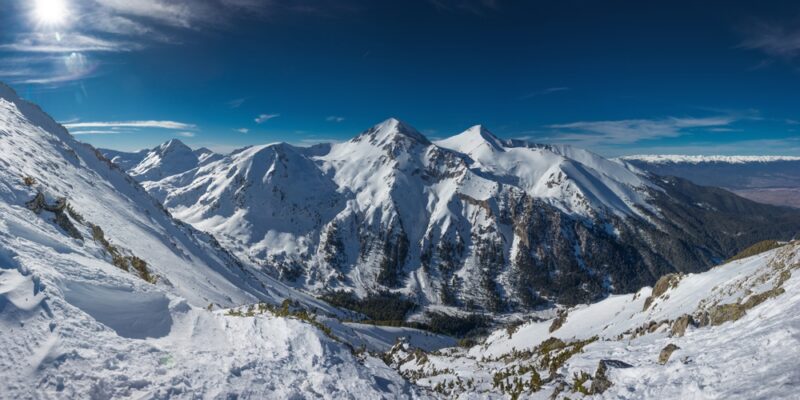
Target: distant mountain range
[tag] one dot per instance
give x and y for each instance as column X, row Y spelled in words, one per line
column 766, row 179
column 472, row 222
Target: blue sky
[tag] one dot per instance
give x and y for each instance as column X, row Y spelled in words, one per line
column 616, row 77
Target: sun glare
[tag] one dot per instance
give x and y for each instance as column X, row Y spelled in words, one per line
column 51, row 12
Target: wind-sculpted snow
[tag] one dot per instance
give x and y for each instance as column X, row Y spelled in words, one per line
column 104, row 295
column 471, row 221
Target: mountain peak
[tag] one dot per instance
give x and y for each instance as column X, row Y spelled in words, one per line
column 391, row 130
column 473, row 139
column 172, row 145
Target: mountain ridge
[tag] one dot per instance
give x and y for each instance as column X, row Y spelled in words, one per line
column 472, row 221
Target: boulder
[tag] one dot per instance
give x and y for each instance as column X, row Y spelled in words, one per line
column 680, row 325
column 600, row 382
column 666, row 352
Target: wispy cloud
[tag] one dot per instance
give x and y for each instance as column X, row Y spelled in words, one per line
column 543, row 92
column 265, row 117
column 633, row 130
column 40, row 42
column 334, row 118
column 96, row 132
column 74, row 66
column 236, row 103
column 774, row 40
column 785, row 146
column 92, row 28
column 186, row 134
column 132, row 124
column 243, row 130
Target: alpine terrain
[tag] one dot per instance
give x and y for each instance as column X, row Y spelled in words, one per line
column 766, row 179
column 104, row 295
column 471, row 222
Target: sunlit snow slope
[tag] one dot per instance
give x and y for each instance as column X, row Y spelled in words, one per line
column 104, row 295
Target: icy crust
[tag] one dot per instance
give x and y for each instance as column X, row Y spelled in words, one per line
column 733, row 327
column 678, row 159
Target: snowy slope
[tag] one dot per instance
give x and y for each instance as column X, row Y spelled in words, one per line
column 742, row 317
column 104, row 295
column 469, row 221
column 574, row 179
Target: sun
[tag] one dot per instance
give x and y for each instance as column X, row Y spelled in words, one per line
column 50, row 12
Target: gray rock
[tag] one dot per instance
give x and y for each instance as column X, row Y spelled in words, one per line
column 666, row 352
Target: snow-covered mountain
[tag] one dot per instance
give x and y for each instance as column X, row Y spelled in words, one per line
column 766, row 179
column 681, row 159
column 726, row 333
column 170, row 158
column 471, row 221
column 104, row 295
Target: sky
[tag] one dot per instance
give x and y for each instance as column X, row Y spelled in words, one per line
column 615, row 77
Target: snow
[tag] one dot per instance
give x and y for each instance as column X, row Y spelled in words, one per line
column 277, row 206
column 564, row 175
column 677, row 158
column 745, row 358
column 131, row 314
column 75, row 326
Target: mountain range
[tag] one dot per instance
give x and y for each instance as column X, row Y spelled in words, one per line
column 471, row 222
column 105, row 293
column 765, row 179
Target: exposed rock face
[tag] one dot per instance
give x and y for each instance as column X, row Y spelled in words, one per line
column 666, row 353
column 600, row 382
column 662, row 285
column 559, row 320
column 39, row 204
column 725, row 312
column 680, row 325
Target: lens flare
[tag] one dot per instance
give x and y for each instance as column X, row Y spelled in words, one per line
column 50, row 12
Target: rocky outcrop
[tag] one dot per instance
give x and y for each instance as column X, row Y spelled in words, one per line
column 680, row 325
column 600, row 382
column 59, row 210
column 662, row 285
column 666, row 353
